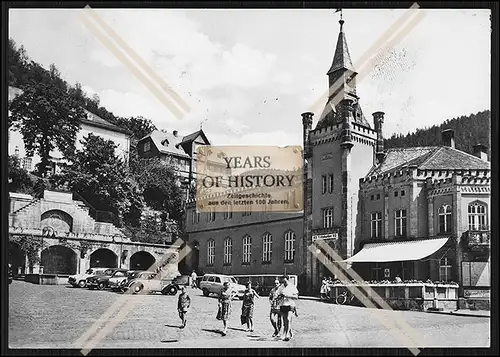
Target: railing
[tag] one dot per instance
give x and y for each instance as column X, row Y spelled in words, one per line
column 99, row 216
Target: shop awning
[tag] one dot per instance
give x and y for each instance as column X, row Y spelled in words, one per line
column 397, row 251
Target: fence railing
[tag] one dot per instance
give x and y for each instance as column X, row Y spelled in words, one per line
column 98, row 215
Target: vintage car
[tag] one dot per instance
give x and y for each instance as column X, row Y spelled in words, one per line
column 212, row 284
column 101, row 281
column 119, row 283
column 149, row 282
column 80, row 280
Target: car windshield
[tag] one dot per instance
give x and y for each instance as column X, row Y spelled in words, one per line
column 108, row 272
column 233, row 280
column 100, row 272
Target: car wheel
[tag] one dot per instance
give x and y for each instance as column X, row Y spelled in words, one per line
column 100, row 286
column 137, row 289
column 172, row 290
column 81, row 284
column 205, row 292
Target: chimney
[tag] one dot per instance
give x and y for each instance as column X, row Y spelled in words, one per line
column 378, row 121
column 481, row 151
column 307, row 119
column 448, row 138
column 175, row 133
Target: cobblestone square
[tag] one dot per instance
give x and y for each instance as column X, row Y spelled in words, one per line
column 56, row 316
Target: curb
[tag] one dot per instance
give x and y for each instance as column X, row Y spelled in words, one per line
column 457, row 313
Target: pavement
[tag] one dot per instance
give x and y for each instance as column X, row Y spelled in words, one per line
column 55, row 316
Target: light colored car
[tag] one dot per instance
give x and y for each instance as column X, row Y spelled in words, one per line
column 212, row 284
column 80, row 280
column 149, row 282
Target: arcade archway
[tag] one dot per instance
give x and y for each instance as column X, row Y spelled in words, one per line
column 103, row 258
column 17, row 259
column 141, row 261
column 57, row 259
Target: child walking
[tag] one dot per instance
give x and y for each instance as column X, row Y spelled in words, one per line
column 183, row 305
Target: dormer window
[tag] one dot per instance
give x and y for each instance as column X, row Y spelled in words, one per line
column 147, row 146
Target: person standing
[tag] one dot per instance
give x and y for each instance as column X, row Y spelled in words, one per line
column 275, row 302
column 225, row 299
column 290, row 294
column 183, row 305
column 194, row 276
column 248, row 306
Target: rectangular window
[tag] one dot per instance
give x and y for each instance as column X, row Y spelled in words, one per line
column 228, row 251
column 147, row 146
column 228, row 213
column 444, row 214
column 26, row 163
column 376, row 271
column 211, row 252
column 323, row 184
column 330, row 183
column 193, row 217
column 445, row 269
column 395, row 193
column 328, row 217
column 376, row 225
column 289, row 246
column 211, row 215
column 267, row 245
column 378, row 196
column 247, row 249
column 371, row 198
column 400, row 223
column 402, row 193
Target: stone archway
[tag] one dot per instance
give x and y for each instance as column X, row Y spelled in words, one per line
column 17, row 259
column 141, row 261
column 58, row 259
column 103, row 258
column 58, row 220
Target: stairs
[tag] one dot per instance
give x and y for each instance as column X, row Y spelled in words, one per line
column 30, row 204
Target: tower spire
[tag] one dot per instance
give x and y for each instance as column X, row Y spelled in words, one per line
column 342, row 57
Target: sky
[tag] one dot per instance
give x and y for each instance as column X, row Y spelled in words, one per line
column 248, row 74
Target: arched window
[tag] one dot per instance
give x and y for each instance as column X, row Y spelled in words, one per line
column 247, row 249
column 444, row 214
column 228, row 251
column 477, row 216
column 289, row 246
column 210, row 252
column 267, row 247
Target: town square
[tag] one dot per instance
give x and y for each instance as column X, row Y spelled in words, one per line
column 195, row 181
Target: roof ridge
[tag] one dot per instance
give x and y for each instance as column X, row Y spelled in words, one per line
column 431, row 154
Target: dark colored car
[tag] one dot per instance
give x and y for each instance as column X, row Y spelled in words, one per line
column 102, row 281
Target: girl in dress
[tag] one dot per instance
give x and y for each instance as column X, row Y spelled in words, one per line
column 248, row 305
column 225, row 298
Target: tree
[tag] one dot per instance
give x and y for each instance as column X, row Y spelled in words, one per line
column 100, row 177
column 18, row 178
column 47, row 119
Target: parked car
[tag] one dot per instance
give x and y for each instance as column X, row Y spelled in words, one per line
column 212, row 284
column 148, row 282
column 118, row 283
column 80, row 280
column 101, row 281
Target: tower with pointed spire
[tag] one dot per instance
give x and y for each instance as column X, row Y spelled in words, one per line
column 338, row 152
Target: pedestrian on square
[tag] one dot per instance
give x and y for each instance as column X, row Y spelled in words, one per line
column 275, row 302
column 290, row 294
column 194, row 276
column 225, row 299
column 183, row 305
column 248, row 306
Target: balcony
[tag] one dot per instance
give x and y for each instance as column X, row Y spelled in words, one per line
column 478, row 238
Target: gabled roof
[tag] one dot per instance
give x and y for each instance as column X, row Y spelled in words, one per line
column 166, row 143
column 193, row 136
column 428, row 158
column 95, row 120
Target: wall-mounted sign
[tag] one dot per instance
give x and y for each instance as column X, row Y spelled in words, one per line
column 387, row 273
column 328, row 236
column 327, row 156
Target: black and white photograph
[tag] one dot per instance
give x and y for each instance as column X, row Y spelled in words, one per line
column 241, row 178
